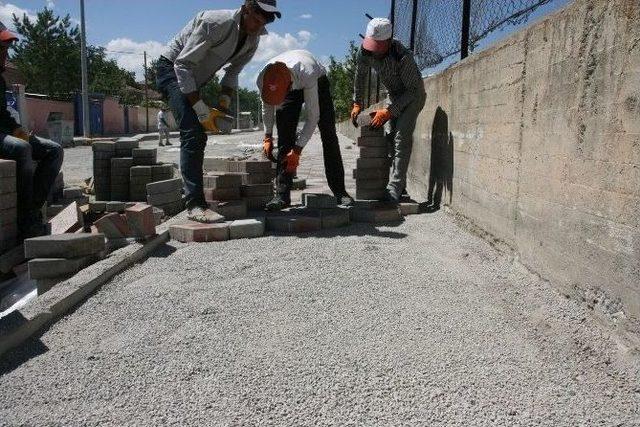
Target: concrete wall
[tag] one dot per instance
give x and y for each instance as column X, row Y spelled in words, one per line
column 537, row 141
column 113, row 114
column 39, row 109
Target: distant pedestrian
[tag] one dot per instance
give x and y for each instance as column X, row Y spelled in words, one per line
column 163, row 128
column 212, row 40
column 398, row 71
column 289, row 80
column 38, row 160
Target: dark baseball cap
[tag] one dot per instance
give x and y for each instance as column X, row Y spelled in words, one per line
column 268, row 6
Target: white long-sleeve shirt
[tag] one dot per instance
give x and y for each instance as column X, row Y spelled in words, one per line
column 207, row 44
column 305, row 72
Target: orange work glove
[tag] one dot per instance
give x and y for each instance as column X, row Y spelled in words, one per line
column 292, row 160
column 355, row 112
column 380, row 117
column 267, row 147
column 21, row 134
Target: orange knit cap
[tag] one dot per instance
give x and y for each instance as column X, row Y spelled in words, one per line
column 276, row 83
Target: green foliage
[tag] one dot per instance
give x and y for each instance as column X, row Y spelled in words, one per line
column 48, row 55
column 341, row 75
column 249, row 99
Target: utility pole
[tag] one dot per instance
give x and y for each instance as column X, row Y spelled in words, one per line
column 146, row 89
column 86, row 122
column 238, row 107
column 466, row 24
column 414, row 19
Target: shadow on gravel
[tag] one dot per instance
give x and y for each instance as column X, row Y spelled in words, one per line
column 164, row 251
column 360, row 230
column 25, row 351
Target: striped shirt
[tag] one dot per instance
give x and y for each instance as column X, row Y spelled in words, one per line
column 398, row 72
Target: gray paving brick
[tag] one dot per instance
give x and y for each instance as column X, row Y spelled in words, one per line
column 162, row 199
column 215, row 164
column 8, row 200
column 51, row 268
column 167, row 186
column 374, row 152
column 247, row 228
column 64, row 246
column 319, row 201
column 373, row 163
column 373, row 174
column 232, row 210
column 140, row 171
column 7, row 168
column 8, row 184
column 368, row 131
column 223, row 194
column 362, row 194
column 257, row 190
column 293, row 224
column 371, row 184
column 372, row 141
column 103, row 147
column 115, row 206
column 259, row 202
column 378, row 215
column 222, row 180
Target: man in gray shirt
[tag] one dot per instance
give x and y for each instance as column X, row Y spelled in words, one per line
column 399, row 73
column 213, row 39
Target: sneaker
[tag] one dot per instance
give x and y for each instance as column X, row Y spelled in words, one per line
column 161, row 145
column 345, row 201
column 203, row 215
column 276, row 204
column 169, row 143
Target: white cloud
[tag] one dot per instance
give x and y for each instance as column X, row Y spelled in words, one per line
column 130, row 54
column 306, row 16
column 50, row 4
column 7, row 10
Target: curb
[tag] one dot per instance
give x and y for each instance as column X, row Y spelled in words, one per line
column 22, row 324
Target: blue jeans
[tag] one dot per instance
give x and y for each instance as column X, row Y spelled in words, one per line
column 193, row 138
column 33, row 182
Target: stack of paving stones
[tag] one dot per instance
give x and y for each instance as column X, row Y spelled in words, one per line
column 120, row 177
column 166, row 195
column 372, row 171
column 139, row 177
column 223, row 190
column 58, row 257
column 103, row 152
column 145, row 156
column 239, row 229
column 257, row 178
column 125, row 147
column 8, row 206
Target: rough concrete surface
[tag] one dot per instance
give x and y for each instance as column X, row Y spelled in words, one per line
column 420, row 324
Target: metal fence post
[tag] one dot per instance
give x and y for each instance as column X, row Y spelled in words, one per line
column 414, row 19
column 466, row 24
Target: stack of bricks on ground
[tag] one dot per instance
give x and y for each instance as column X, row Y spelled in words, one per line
column 122, row 170
column 372, row 170
column 56, row 258
column 138, row 221
column 232, row 187
column 8, row 206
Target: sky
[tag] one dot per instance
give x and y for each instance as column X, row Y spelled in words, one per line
column 323, row 27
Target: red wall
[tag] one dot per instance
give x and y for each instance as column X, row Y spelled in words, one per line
column 39, row 110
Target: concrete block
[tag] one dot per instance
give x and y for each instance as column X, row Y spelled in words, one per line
column 335, row 218
column 125, row 146
column 69, row 245
column 368, row 131
column 7, row 168
column 215, row 164
column 222, row 194
column 119, row 181
column 371, row 184
column 138, row 171
column 257, row 178
column 104, row 147
column 162, row 199
column 121, row 163
column 141, row 220
column 69, row 220
column 144, row 161
column 167, row 186
column 98, row 206
column 378, row 215
column 222, row 180
column 8, row 185
column 319, row 201
column 362, row 194
column 162, row 172
column 113, row 226
column 116, row 206
column 409, row 208
column 293, row 224
column 372, row 141
column 171, row 209
column 51, row 268
column 373, row 174
column 299, row 184
column 8, row 200
column 257, row 190
column 369, row 163
column 232, row 210
column 247, row 228
column 258, row 202
column 72, row 193
column 145, row 152
column 196, row 232
column 374, row 152
column 250, row 166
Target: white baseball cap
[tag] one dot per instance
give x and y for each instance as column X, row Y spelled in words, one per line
column 379, row 31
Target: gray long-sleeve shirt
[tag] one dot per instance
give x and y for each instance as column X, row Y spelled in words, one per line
column 398, row 72
column 206, row 45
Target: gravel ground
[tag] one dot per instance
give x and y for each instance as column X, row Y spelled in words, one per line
column 419, row 324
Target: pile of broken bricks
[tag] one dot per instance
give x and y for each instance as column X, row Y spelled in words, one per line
column 137, row 222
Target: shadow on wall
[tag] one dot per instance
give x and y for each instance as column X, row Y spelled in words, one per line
column 441, row 170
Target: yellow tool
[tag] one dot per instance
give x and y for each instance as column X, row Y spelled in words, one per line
column 218, row 122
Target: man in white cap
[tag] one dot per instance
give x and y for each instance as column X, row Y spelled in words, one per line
column 212, row 40
column 286, row 82
column 398, row 71
column 33, row 182
column 163, row 128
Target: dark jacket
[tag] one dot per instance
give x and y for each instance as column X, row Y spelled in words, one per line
column 7, row 123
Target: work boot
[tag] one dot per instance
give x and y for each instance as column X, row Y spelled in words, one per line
column 390, row 197
column 169, row 143
column 203, row 215
column 276, row 204
column 345, row 200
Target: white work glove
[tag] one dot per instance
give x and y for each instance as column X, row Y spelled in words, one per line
column 201, row 109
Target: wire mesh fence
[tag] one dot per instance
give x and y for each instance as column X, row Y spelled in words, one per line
column 435, row 32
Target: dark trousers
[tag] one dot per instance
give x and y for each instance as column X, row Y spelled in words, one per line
column 193, row 138
column 33, row 182
column 287, row 117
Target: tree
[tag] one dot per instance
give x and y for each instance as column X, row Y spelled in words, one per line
column 341, row 75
